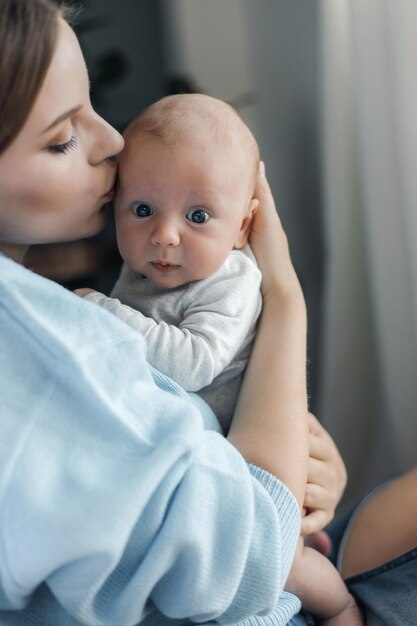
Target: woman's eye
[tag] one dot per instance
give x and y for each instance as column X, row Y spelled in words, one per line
column 198, row 216
column 62, row 148
column 140, row 209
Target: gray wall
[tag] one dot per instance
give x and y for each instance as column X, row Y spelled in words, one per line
column 263, row 56
column 285, row 47
column 129, row 30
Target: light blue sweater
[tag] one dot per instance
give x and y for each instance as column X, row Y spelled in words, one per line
column 117, row 506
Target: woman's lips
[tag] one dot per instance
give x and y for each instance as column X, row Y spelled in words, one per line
column 110, row 189
column 164, row 268
column 109, row 195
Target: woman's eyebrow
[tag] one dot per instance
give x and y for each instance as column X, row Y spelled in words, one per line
column 62, row 117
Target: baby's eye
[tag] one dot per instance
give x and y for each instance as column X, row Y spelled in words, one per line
column 140, row 209
column 198, row 216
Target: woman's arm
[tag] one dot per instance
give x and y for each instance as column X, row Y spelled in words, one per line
column 270, row 422
column 384, row 528
column 127, row 506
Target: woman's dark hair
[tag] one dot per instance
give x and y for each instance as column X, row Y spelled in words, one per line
column 28, row 34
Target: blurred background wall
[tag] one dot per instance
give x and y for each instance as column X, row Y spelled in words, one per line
column 329, row 88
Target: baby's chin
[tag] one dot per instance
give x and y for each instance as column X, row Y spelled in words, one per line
column 166, row 281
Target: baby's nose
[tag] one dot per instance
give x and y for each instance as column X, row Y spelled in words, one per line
column 165, row 234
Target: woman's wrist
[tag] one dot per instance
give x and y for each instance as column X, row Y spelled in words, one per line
column 286, row 298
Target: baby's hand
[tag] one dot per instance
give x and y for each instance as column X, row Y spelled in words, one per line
column 84, row 291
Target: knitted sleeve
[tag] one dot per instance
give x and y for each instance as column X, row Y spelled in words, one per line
column 116, row 505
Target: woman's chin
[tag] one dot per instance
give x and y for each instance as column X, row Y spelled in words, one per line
column 90, row 230
column 95, row 224
column 98, row 228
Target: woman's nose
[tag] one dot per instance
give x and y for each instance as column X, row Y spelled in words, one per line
column 108, row 142
column 165, row 234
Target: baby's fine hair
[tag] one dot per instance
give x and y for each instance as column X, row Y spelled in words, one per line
column 182, row 117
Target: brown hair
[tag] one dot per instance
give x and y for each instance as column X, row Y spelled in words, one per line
column 28, row 33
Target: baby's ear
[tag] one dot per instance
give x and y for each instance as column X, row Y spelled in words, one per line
column 243, row 235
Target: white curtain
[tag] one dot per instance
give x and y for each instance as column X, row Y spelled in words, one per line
column 368, row 396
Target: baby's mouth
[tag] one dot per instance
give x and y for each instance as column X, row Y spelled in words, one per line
column 163, row 267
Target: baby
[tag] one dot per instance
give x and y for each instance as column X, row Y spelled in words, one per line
column 183, row 211
column 190, row 284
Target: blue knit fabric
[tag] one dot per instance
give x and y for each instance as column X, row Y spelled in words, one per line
column 117, row 505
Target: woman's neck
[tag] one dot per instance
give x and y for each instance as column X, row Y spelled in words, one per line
column 14, row 251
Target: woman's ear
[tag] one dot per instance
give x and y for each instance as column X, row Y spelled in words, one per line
column 243, row 235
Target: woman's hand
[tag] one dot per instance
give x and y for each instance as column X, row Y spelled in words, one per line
column 270, row 245
column 326, row 480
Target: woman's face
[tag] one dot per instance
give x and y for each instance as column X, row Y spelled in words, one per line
column 55, row 177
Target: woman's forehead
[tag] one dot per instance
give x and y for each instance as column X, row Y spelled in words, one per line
column 66, row 82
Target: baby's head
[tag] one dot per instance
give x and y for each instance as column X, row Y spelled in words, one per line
column 185, row 195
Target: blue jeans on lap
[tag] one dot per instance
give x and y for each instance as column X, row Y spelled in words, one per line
column 387, row 594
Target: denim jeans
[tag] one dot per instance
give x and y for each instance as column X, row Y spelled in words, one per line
column 387, row 593
column 301, row 619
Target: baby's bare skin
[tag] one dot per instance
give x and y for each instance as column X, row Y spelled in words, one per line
column 318, row 584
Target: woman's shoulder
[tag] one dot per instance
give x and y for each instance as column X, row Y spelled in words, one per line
column 36, row 307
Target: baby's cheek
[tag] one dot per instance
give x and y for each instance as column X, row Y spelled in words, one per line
column 209, row 256
column 133, row 246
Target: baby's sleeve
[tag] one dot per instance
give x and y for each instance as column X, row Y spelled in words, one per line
column 220, row 314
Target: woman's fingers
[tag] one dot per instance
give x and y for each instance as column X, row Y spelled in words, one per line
column 327, row 476
column 318, row 431
column 315, row 521
column 314, row 425
column 322, row 473
column 326, row 479
column 332, row 470
column 317, row 497
column 270, row 246
column 319, row 448
column 267, row 234
column 267, row 210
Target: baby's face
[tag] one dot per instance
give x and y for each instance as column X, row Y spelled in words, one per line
column 179, row 210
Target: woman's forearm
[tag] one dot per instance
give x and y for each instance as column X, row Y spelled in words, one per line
column 270, row 423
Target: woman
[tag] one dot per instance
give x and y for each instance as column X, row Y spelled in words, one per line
column 117, row 507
